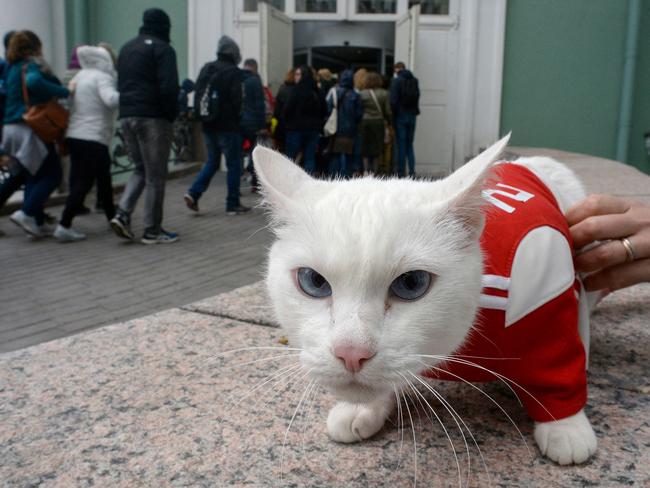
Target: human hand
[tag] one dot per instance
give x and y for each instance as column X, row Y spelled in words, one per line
column 616, row 232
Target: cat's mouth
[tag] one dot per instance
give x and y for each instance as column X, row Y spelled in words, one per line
column 354, row 390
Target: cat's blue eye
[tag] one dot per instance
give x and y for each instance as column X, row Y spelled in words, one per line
column 411, row 285
column 313, row 283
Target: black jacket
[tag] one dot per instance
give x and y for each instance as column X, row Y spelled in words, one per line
column 147, row 78
column 227, row 78
column 305, row 109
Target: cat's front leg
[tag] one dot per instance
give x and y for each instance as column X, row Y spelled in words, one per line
column 354, row 422
column 567, row 441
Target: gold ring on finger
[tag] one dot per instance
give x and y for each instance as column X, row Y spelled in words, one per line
column 629, row 250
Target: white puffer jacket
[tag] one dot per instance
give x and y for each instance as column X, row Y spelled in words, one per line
column 95, row 97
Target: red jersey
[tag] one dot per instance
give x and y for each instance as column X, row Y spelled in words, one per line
column 529, row 304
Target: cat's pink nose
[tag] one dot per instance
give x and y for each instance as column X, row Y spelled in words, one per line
column 353, row 356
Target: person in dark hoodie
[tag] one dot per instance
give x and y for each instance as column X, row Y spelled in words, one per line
column 304, row 115
column 350, row 112
column 404, row 102
column 221, row 79
column 147, row 79
column 253, row 113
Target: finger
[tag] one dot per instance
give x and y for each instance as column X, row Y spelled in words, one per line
column 605, row 255
column 602, row 227
column 620, row 276
column 597, row 205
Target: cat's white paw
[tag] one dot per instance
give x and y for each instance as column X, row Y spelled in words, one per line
column 567, row 441
column 353, row 422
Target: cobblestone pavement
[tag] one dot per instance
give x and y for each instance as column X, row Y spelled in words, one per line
column 49, row 289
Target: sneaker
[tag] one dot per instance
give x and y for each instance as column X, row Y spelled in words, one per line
column 27, row 223
column 68, row 235
column 238, row 210
column 163, row 238
column 122, row 227
column 191, row 202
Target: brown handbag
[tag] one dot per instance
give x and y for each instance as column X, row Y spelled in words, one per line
column 48, row 120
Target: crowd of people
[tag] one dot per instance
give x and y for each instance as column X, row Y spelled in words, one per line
column 356, row 123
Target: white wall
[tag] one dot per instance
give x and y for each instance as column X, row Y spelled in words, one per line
column 46, row 18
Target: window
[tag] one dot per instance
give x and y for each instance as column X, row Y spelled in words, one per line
column 316, row 6
column 376, row 6
column 251, row 5
column 434, row 7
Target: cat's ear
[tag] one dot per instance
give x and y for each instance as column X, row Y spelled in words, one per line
column 469, row 182
column 280, row 177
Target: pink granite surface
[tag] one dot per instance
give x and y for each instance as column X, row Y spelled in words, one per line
column 152, row 403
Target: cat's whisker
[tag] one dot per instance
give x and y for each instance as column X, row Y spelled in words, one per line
column 247, row 349
column 489, row 397
column 311, row 402
column 415, row 447
column 504, row 379
column 452, row 411
column 400, row 422
column 451, row 442
column 272, row 358
column 453, row 359
column 295, row 412
column 287, row 370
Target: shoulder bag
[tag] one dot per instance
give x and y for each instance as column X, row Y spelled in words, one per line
column 48, row 120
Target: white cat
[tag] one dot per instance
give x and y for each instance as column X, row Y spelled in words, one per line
column 378, row 281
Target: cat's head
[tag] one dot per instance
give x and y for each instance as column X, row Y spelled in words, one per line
column 367, row 274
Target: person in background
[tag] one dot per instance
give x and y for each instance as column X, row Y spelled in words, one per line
column 222, row 132
column 404, row 102
column 73, row 67
column 90, row 131
column 280, row 132
column 611, row 236
column 253, row 115
column 147, row 80
column 39, row 165
column 304, row 115
column 350, row 113
column 376, row 119
column 325, row 81
column 3, row 70
column 184, row 110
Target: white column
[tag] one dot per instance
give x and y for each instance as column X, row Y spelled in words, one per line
column 46, row 19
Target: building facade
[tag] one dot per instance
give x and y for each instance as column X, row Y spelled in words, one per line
column 566, row 75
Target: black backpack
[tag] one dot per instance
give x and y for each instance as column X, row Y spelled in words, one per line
column 206, row 97
column 410, row 93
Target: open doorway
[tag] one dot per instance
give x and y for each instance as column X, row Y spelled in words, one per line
column 340, row 45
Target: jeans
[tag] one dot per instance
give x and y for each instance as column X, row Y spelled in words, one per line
column 230, row 145
column 341, row 165
column 148, row 142
column 307, row 140
column 40, row 186
column 89, row 161
column 405, row 132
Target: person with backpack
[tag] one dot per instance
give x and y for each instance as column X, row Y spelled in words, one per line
column 404, row 102
column 253, row 114
column 147, row 80
column 218, row 105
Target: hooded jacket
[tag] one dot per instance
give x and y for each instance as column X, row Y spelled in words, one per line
column 147, row 72
column 95, row 97
column 305, row 109
column 350, row 108
column 224, row 75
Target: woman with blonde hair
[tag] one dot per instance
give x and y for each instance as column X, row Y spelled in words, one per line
column 376, row 119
